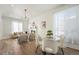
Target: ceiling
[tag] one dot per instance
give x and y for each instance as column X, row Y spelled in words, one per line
column 17, row 10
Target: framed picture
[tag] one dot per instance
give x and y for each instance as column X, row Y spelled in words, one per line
column 44, row 24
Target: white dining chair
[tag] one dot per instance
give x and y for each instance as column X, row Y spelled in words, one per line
column 50, row 46
column 61, row 43
column 60, row 40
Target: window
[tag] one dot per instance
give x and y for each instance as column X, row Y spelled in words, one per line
column 16, row 26
column 58, row 24
column 66, row 23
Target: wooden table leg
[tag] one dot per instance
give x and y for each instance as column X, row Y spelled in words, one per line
column 37, row 49
column 44, row 53
column 62, row 51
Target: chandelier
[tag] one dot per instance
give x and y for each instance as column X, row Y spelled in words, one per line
column 26, row 20
column 25, row 13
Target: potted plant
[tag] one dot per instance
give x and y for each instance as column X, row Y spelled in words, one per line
column 49, row 33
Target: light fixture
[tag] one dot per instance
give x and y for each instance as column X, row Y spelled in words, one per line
column 26, row 20
column 25, row 13
column 12, row 5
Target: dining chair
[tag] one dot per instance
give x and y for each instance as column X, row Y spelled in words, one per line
column 50, row 46
column 61, row 43
column 60, row 40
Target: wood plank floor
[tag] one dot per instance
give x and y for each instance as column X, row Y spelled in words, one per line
column 11, row 47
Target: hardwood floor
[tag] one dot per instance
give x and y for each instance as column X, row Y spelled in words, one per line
column 70, row 51
column 11, row 47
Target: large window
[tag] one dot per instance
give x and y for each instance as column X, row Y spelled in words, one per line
column 59, row 24
column 66, row 22
column 16, row 26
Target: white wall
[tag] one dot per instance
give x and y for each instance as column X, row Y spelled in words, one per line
column 38, row 21
column 0, row 26
column 7, row 25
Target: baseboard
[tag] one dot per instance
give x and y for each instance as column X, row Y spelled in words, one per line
column 73, row 46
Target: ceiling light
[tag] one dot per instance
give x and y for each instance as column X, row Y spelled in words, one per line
column 12, row 5
column 25, row 13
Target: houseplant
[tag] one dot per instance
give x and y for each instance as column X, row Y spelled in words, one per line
column 49, row 33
